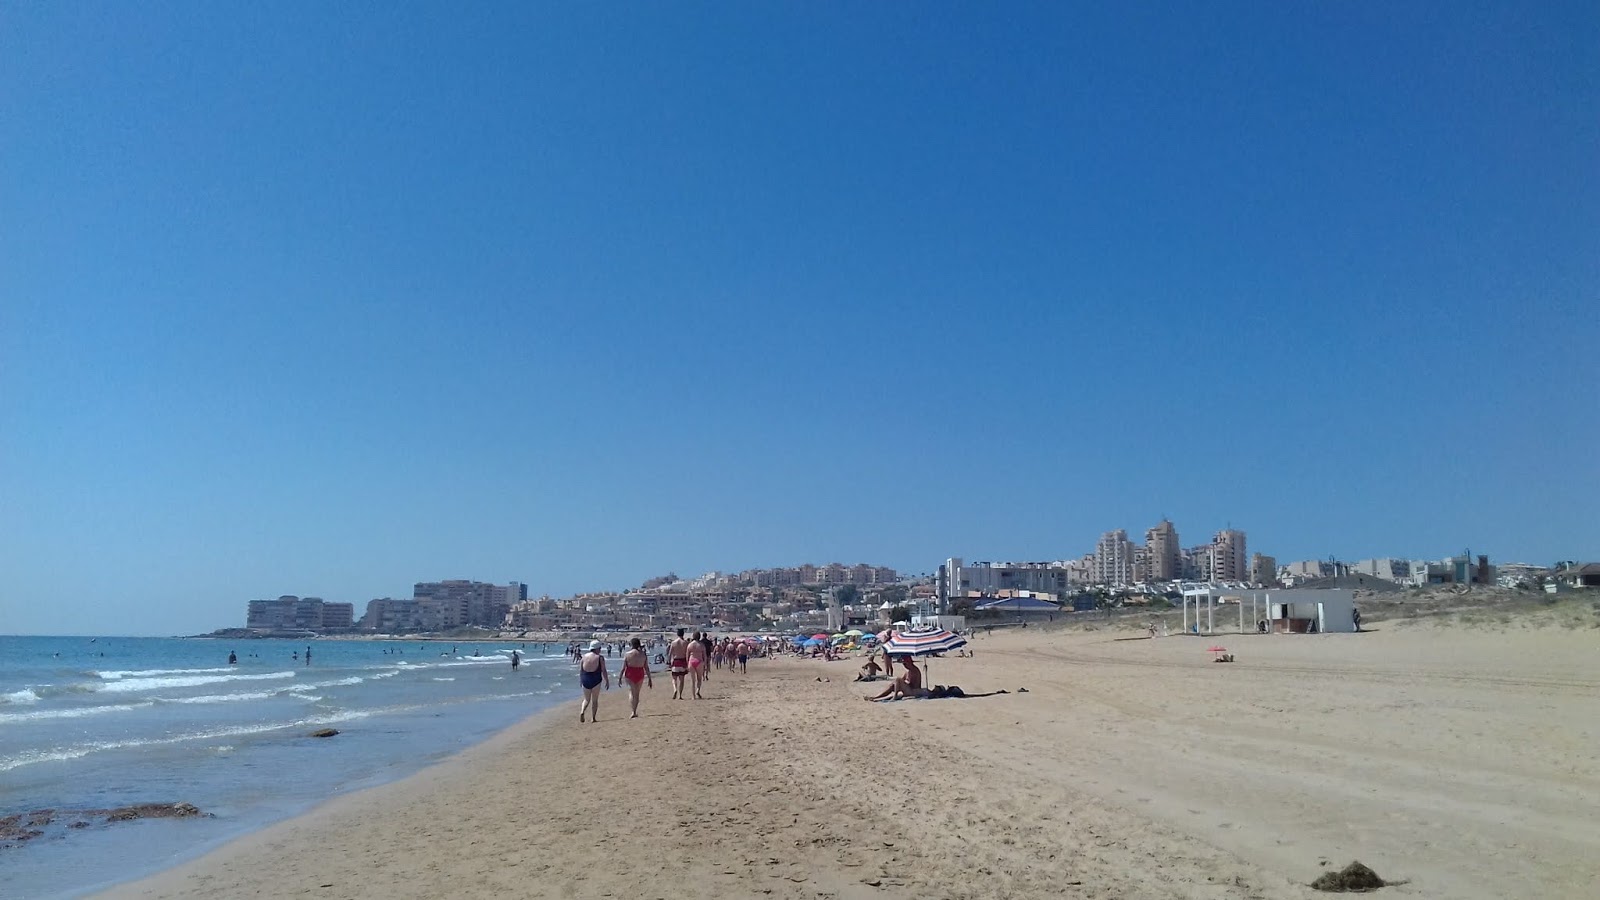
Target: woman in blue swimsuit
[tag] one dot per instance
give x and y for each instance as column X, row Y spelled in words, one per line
column 591, row 673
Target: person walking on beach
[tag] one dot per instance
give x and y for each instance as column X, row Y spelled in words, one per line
column 636, row 671
column 697, row 664
column 591, row 672
column 705, row 660
column 678, row 664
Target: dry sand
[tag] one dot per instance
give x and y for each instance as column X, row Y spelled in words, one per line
column 1465, row 761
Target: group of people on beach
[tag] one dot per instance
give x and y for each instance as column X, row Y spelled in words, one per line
column 689, row 661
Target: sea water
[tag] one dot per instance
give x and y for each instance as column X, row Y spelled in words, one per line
column 94, row 723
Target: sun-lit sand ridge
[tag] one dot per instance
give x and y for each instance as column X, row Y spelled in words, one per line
column 1461, row 759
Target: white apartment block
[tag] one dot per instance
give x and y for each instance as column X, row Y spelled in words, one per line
column 1228, row 559
column 1114, row 558
column 1166, row 557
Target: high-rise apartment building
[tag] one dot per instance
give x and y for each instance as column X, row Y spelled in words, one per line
column 1166, row 559
column 1113, row 558
column 291, row 613
column 443, row 605
column 1228, row 559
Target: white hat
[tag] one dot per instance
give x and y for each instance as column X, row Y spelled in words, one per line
column 594, row 645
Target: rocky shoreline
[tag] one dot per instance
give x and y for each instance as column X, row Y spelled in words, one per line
column 19, row 828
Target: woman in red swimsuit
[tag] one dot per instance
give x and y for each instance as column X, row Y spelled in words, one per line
column 636, row 671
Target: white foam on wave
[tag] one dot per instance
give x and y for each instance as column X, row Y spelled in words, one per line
column 296, row 690
column 23, row 697
column 148, row 673
column 437, row 678
column 54, row 754
column 134, row 685
column 40, row 715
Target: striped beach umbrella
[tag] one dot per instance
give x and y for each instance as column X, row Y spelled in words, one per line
column 921, row 643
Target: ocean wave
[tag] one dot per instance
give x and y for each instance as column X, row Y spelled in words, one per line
column 23, row 697
column 53, row 754
column 77, row 712
column 438, row 678
column 148, row 673
column 134, row 685
column 293, row 689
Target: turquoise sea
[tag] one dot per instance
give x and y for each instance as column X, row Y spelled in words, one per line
column 101, row 722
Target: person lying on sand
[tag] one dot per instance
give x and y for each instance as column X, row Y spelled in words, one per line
column 907, row 685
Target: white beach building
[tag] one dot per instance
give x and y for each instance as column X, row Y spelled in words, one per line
column 1304, row 611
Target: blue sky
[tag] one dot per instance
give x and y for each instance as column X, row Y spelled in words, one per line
column 332, row 298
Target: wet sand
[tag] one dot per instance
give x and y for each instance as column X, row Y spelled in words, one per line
column 1461, row 760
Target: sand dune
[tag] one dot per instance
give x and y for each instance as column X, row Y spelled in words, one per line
column 1464, row 762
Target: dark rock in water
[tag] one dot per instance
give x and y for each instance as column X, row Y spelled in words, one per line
column 20, row 827
column 1354, row 878
column 150, row 811
column 324, row 732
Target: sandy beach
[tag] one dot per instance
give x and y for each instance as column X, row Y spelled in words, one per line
column 1462, row 761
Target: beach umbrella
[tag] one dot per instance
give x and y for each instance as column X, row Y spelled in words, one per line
column 854, row 632
column 923, row 643
column 819, row 637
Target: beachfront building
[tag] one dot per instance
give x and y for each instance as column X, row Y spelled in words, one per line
column 1386, row 568
column 1114, row 558
column 1227, row 559
column 388, row 615
column 1576, row 575
column 337, row 616
column 1263, row 570
column 1166, row 557
column 1020, row 605
column 442, row 605
column 988, row 579
column 1280, row 611
column 291, row 613
column 831, row 574
column 1460, row 569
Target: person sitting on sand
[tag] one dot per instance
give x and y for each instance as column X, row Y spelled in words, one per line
column 907, row 685
column 869, row 672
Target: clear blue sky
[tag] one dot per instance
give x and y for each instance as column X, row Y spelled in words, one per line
column 332, row 298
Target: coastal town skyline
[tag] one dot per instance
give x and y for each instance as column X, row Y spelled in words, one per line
column 794, row 596
column 1100, row 566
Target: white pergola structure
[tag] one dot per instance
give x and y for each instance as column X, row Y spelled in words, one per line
column 1287, row 611
column 1204, row 599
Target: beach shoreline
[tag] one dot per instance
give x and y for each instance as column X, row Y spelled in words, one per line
column 1128, row 769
